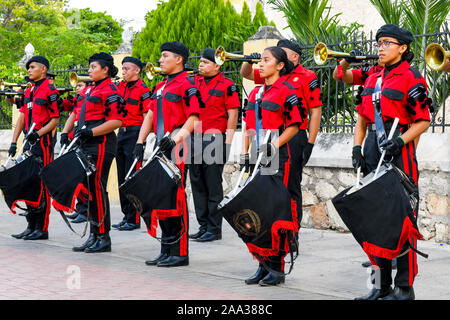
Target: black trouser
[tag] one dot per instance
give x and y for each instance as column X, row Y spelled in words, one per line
column 100, row 150
column 126, row 141
column 406, row 161
column 207, row 190
column 38, row 217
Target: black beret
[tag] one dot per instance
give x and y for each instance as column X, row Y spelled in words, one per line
column 209, row 54
column 102, row 56
column 38, row 59
column 51, row 75
column 284, row 43
column 176, row 47
column 133, row 60
column 393, row 31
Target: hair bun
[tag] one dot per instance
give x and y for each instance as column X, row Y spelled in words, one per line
column 114, row 71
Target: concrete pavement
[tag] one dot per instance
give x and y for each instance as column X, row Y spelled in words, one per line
column 328, row 267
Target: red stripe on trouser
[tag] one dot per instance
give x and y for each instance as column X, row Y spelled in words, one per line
column 46, row 155
column 408, row 158
column 138, row 166
column 98, row 187
column 183, row 240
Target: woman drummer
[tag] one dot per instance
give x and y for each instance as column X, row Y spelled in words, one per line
column 278, row 112
column 97, row 114
column 403, row 96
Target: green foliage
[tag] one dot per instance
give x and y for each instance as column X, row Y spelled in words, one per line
column 196, row 23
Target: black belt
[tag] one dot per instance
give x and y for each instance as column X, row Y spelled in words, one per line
column 130, row 129
column 387, row 126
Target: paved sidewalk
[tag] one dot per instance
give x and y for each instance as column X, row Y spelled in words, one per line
column 328, row 268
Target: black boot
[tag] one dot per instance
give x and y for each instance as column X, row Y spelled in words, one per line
column 102, row 244
column 37, row 235
column 401, row 293
column 155, row 261
column 24, row 233
column 72, row 216
column 89, row 242
column 79, row 219
column 259, row 275
column 376, row 294
column 272, row 279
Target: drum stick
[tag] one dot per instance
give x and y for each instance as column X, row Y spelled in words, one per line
column 154, row 152
column 358, row 176
column 391, row 133
column 23, row 145
column 69, row 147
column 266, row 139
column 131, row 168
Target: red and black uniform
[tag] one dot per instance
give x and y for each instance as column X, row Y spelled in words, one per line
column 102, row 103
column 218, row 95
column 307, row 88
column 179, row 100
column 403, row 95
column 277, row 110
column 136, row 97
column 39, row 105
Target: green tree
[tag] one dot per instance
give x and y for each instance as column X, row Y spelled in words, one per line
column 196, row 23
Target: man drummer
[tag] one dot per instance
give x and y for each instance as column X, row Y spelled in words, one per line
column 136, row 96
column 39, row 106
column 174, row 108
column 218, row 118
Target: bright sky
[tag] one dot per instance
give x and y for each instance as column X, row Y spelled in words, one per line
column 133, row 11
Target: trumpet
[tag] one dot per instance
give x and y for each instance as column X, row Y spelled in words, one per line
column 322, row 54
column 4, row 84
column 436, row 56
column 11, row 93
column 74, row 78
column 221, row 56
column 151, row 71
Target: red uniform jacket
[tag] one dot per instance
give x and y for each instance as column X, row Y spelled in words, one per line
column 136, row 100
column 45, row 104
column 103, row 102
column 278, row 106
column 307, row 88
column 403, row 95
column 218, row 96
column 180, row 100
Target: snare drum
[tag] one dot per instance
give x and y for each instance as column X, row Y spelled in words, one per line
column 21, row 182
column 380, row 213
column 66, row 179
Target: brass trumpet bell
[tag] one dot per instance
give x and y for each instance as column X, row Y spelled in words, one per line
column 74, row 78
column 322, row 54
column 221, row 56
column 151, row 71
column 436, row 56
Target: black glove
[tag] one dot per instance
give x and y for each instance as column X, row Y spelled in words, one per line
column 166, row 144
column 268, row 153
column 64, row 140
column 244, row 162
column 138, row 152
column 226, row 152
column 393, row 147
column 12, row 149
column 84, row 134
column 254, row 55
column 33, row 137
column 358, row 159
column 353, row 54
column 307, row 150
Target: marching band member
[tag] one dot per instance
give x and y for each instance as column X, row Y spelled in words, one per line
column 136, row 97
column 97, row 114
column 174, row 105
column 278, row 111
column 307, row 87
column 38, row 106
column 218, row 118
column 403, row 95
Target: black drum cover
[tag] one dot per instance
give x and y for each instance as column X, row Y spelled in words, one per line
column 380, row 215
column 151, row 188
column 66, row 179
column 260, row 212
column 22, row 183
